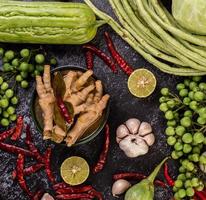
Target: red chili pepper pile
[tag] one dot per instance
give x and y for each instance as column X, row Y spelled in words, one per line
column 168, row 178
column 111, row 62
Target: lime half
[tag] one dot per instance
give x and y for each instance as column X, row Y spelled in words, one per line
column 74, row 170
column 142, row 83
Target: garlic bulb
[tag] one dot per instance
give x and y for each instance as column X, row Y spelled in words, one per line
column 47, row 196
column 119, row 187
column 134, row 137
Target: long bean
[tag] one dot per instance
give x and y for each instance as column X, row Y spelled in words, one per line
column 127, row 23
column 131, row 41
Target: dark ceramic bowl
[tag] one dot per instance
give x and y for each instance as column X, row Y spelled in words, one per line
column 89, row 134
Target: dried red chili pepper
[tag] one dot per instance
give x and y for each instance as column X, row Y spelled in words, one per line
column 96, row 194
column 6, row 134
column 109, row 62
column 20, row 174
column 74, row 196
column 201, row 195
column 63, row 109
column 48, row 166
column 29, row 170
column 31, row 145
column 168, row 178
column 89, row 59
column 74, row 189
column 18, row 129
column 103, row 156
column 38, row 195
column 16, row 150
column 61, row 185
column 116, row 55
column 136, row 176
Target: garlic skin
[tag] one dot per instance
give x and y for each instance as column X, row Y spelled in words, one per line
column 134, row 137
column 47, row 196
column 133, row 125
column 119, row 187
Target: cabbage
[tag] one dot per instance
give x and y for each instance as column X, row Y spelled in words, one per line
column 191, row 15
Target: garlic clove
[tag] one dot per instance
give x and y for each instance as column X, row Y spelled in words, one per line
column 122, row 131
column 149, row 139
column 118, row 139
column 144, row 129
column 133, row 125
column 133, row 146
column 119, row 187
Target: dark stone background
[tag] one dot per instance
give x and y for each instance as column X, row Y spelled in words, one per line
column 123, row 106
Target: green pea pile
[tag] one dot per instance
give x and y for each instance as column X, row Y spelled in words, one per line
column 8, row 102
column 186, row 124
column 24, row 64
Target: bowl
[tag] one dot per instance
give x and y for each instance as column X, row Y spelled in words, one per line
column 91, row 133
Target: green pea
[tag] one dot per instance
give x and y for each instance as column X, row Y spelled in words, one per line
column 24, row 67
column 193, row 105
column 186, row 101
column 203, row 159
column 9, row 54
column 14, row 100
column 1, row 80
column 171, row 140
column 36, row 73
column 201, row 120
column 195, row 157
column 202, row 86
column 171, row 103
column 5, row 60
column 187, row 138
column 24, row 84
column 182, row 193
column 4, row 103
column 202, row 111
column 180, row 86
column 190, row 192
column 184, row 163
column 199, row 96
column 200, row 187
column 178, row 146
column 40, row 68
column 174, row 155
column 187, row 82
column 7, row 67
column 5, row 114
column 190, row 166
column 15, row 62
column 180, row 130
column 196, row 150
column 24, row 53
column 187, row 184
column 165, row 91
column 163, row 107
column 171, row 123
column 13, row 117
column 1, row 51
column 4, row 122
column 178, row 183
column 181, row 177
column 53, row 61
column 39, row 58
column 186, row 122
column 195, row 182
column 191, row 95
column 24, row 74
column 182, row 169
column 169, row 115
column 188, row 175
column 198, row 137
column 170, row 131
column 196, row 78
column 192, row 85
column 9, row 93
column 187, row 148
column 176, row 196
column 179, row 153
column 188, row 113
column 174, row 189
column 162, row 99
column 30, row 68
column 183, row 92
column 19, row 78
column 10, row 110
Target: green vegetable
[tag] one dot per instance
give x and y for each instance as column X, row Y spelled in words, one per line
column 190, row 14
column 144, row 190
column 52, row 23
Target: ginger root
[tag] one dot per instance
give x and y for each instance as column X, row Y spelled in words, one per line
column 86, row 97
column 46, row 101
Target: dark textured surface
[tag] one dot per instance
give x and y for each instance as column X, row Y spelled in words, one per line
column 123, row 106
